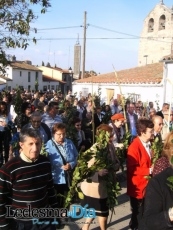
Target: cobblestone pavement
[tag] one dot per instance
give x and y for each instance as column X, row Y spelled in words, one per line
column 120, row 219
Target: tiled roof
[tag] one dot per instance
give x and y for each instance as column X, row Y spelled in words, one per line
column 23, row 65
column 47, row 78
column 168, row 57
column 148, row 74
column 60, row 70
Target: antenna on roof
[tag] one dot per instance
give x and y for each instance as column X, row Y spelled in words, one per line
column 49, row 50
column 161, row 2
column 69, row 56
column 77, row 42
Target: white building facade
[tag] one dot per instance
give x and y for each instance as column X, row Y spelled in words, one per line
column 24, row 75
column 142, row 92
column 146, row 83
column 26, row 79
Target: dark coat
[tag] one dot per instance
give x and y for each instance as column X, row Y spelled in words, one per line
column 97, row 121
column 158, row 200
column 22, row 120
column 128, row 120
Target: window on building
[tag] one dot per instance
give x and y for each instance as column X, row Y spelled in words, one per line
column 64, row 78
column 20, row 73
column 44, row 88
column 162, row 21
column 151, row 25
column 109, row 95
column 29, row 87
column 52, row 87
column 36, row 76
column 29, row 77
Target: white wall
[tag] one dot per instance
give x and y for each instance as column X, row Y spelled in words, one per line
column 147, row 92
column 23, row 79
column 18, row 80
column 168, row 85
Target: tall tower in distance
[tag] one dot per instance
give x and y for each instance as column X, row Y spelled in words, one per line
column 77, row 60
column 156, row 40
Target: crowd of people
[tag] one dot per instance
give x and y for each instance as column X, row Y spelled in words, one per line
column 64, row 127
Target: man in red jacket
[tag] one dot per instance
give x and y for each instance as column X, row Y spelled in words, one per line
column 139, row 167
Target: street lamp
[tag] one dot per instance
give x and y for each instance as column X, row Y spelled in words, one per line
column 71, row 76
column 70, row 72
column 146, row 56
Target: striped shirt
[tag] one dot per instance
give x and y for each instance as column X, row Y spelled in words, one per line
column 24, row 183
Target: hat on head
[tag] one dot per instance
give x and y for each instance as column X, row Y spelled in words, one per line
column 118, row 116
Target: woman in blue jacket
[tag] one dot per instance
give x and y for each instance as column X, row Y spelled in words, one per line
column 63, row 157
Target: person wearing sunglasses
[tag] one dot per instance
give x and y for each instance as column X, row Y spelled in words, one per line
column 158, row 125
column 35, row 123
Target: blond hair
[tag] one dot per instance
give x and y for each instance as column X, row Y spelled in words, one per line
column 168, row 146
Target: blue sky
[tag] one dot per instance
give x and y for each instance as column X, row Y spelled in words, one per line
column 106, row 19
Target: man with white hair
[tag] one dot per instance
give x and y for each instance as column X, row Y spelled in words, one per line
column 167, row 123
column 158, row 125
column 165, row 107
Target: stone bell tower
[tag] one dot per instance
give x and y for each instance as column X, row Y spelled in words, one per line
column 156, row 39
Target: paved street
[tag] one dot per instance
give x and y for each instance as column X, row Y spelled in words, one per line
column 120, row 219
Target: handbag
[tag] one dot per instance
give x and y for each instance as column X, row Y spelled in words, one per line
column 68, row 173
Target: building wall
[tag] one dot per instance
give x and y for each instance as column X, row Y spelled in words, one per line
column 20, row 78
column 156, row 40
column 143, row 92
column 169, row 83
column 51, row 72
column 52, row 85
